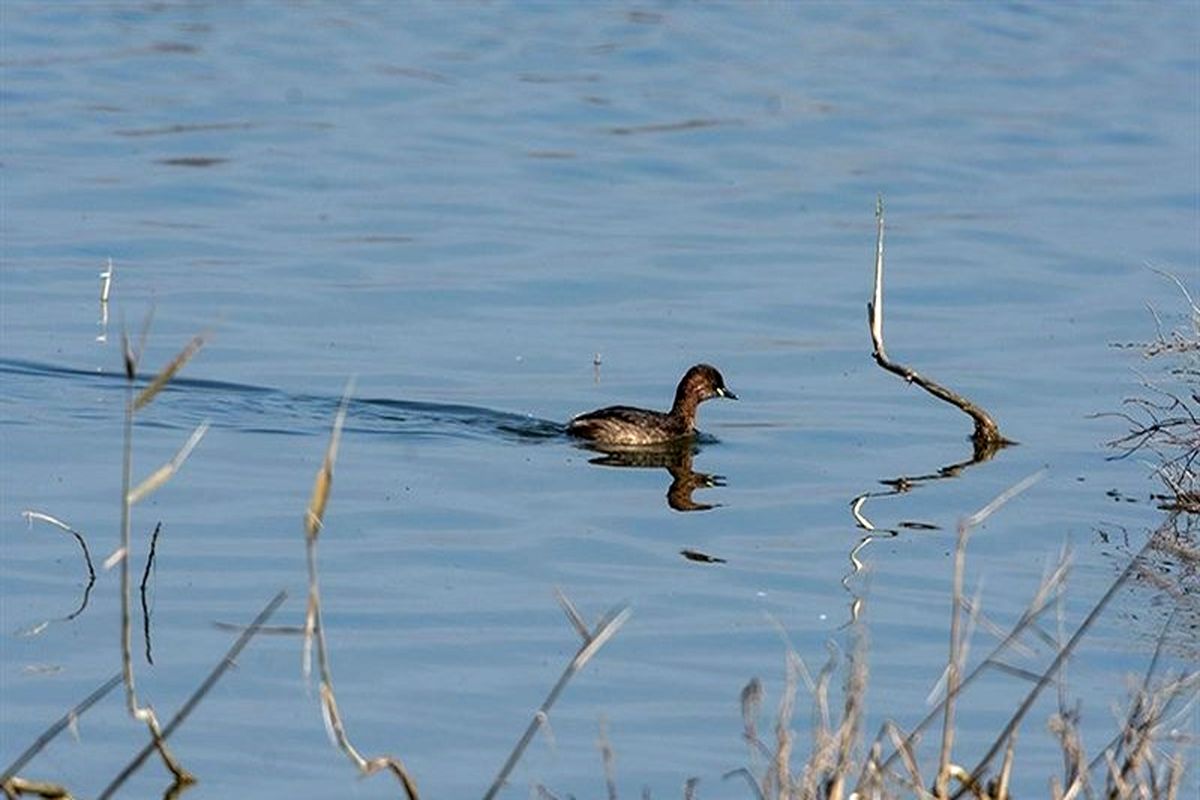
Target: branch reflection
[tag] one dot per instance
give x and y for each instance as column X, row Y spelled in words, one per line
column 902, row 484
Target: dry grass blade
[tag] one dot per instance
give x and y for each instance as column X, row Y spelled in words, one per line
column 314, row 516
column 954, row 663
column 1149, row 706
column 987, row 437
column 900, row 742
column 63, row 722
column 1049, row 673
column 164, row 377
column 605, row 630
column 1038, row 604
column 956, row 659
column 315, row 513
column 167, row 471
column 573, row 615
column 190, row 704
column 848, row 732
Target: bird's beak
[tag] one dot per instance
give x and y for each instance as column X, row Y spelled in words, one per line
column 728, row 395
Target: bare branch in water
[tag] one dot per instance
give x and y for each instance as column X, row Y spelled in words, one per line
column 987, row 437
column 30, row 516
column 145, row 580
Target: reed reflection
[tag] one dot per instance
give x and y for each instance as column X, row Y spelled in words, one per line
column 675, row 458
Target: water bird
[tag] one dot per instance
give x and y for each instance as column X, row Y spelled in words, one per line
column 638, row 427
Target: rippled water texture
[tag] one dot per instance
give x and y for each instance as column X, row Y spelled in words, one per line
column 496, row 216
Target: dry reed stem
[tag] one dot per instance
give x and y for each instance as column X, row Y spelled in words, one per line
column 953, row 665
column 900, row 742
column 65, row 721
column 314, row 515
column 608, row 758
column 128, row 499
column 1003, row 781
column 957, row 657
column 779, row 781
column 849, row 729
column 314, row 629
column 987, row 437
column 1038, row 604
column 604, row 630
column 1048, row 674
column 323, row 483
column 190, row 704
column 1130, row 756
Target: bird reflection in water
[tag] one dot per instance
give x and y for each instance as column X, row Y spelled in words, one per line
column 675, row 458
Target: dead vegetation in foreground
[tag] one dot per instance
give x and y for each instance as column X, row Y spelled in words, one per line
column 1143, row 759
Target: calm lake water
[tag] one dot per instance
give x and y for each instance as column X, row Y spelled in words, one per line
column 464, row 206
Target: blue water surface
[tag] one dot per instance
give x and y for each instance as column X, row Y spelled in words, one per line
column 493, row 216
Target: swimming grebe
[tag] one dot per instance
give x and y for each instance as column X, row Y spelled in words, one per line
column 624, row 425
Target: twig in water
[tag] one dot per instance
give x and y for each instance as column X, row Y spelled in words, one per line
column 194, row 700
column 987, row 437
column 30, row 516
column 145, row 580
column 593, row 640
